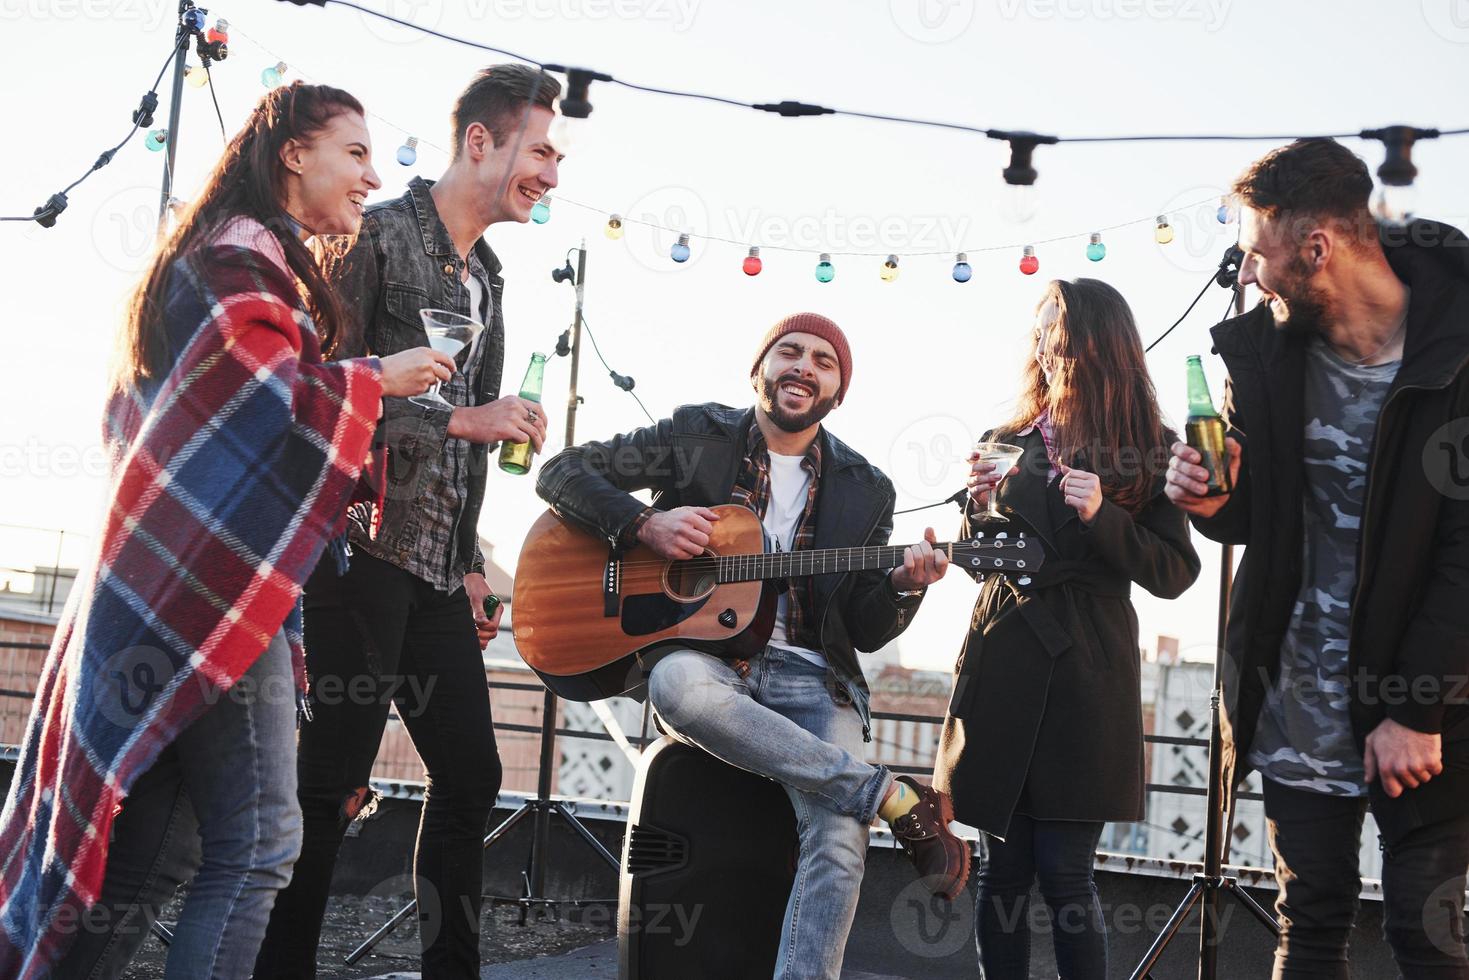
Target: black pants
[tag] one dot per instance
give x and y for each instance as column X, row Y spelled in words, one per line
column 376, row 636
column 1315, row 838
column 1059, row 854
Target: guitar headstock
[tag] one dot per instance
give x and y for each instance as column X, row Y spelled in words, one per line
column 1017, row 554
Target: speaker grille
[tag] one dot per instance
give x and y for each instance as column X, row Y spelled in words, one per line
column 652, row 849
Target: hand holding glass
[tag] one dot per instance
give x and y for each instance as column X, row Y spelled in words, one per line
column 448, row 332
column 1002, row 456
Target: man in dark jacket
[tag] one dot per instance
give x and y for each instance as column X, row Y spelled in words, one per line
column 1348, row 641
column 399, row 628
column 798, row 712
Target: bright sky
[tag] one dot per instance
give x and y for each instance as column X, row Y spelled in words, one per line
column 936, row 362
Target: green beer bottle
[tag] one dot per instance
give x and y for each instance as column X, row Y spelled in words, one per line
column 1205, row 430
column 515, row 456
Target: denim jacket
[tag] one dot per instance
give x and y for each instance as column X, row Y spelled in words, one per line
column 404, row 261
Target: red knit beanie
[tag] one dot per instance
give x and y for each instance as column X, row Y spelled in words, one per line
column 816, row 325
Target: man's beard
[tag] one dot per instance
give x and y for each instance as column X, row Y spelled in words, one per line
column 1306, row 310
column 769, row 394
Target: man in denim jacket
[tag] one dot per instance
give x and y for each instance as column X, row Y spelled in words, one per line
column 401, row 625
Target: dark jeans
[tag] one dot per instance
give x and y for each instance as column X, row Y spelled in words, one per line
column 375, row 636
column 1315, row 838
column 1058, row 853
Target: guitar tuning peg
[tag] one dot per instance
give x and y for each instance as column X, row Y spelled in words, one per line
column 1023, row 580
column 1002, row 534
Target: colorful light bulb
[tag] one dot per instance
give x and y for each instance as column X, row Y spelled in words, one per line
column 962, row 271
column 274, row 76
column 196, row 76
column 1095, row 250
column 193, row 19
column 825, row 271
column 540, row 212
column 1225, row 214
column 1163, row 234
column 219, row 32
column 408, row 152
column 752, row 264
column 614, row 227
column 156, row 140
column 1029, row 264
column 889, row 270
column 680, row 250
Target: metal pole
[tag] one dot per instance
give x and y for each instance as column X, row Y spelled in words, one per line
column 1218, row 803
column 175, row 106
column 541, row 840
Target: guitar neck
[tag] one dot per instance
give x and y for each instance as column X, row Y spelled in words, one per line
column 821, row 561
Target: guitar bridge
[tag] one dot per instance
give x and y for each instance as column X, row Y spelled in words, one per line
column 611, row 585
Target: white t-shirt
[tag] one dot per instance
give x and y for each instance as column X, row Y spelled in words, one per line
column 789, row 481
column 477, row 310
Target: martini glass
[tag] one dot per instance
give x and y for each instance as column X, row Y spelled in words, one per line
column 1002, row 456
column 450, row 333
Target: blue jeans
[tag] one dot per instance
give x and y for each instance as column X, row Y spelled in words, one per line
column 788, row 721
column 219, row 804
column 1058, row 853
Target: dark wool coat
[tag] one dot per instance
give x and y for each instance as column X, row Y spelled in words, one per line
column 1046, row 716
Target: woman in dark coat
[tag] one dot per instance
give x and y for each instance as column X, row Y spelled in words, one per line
column 1043, row 741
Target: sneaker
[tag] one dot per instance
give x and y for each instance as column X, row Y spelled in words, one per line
column 942, row 859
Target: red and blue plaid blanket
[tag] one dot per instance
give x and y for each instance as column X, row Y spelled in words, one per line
column 229, row 476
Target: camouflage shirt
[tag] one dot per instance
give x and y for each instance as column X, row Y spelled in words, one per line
column 1304, row 739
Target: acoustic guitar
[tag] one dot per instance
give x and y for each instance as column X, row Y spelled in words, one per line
column 584, row 615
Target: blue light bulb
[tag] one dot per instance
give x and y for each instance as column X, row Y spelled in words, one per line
column 680, row 250
column 273, row 76
column 962, row 271
column 540, row 212
column 156, row 140
column 408, row 152
column 1095, row 250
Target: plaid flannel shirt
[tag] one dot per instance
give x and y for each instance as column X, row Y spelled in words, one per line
column 752, row 490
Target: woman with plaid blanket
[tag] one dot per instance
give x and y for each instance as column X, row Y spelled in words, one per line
column 162, row 738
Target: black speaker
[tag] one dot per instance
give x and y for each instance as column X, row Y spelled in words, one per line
column 707, row 866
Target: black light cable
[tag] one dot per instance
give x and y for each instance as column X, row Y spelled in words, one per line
column 46, row 214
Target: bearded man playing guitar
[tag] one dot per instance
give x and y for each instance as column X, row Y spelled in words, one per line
column 796, row 710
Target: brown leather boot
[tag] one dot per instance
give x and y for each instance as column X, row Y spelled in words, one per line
column 942, row 859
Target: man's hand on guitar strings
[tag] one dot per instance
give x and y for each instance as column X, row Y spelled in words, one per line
column 923, row 564
column 679, row 533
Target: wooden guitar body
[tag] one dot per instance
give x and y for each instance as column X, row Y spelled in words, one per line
column 589, row 622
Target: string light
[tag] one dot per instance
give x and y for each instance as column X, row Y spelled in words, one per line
column 1163, row 233
column 156, row 140
column 1095, row 250
column 1395, row 199
column 962, row 271
column 274, row 76
column 1225, row 214
column 680, row 250
column 825, row 271
column 752, row 264
column 219, row 33
column 614, row 227
column 196, row 76
column 408, row 152
column 540, row 212
column 1029, row 264
column 1020, row 202
column 889, row 270
column 193, row 20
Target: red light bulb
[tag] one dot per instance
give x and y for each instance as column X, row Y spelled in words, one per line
column 1029, row 264
column 752, row 264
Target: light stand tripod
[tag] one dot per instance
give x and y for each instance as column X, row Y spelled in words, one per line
column 542, row 807
column 1219, row 798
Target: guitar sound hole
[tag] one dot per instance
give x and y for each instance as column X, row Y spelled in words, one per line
column 692, row 578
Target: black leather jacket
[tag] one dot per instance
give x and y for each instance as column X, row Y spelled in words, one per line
column 404, row 261
column 692, row 459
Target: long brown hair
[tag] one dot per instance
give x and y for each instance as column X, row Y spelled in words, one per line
column 249, row 180
column 1100, row 398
